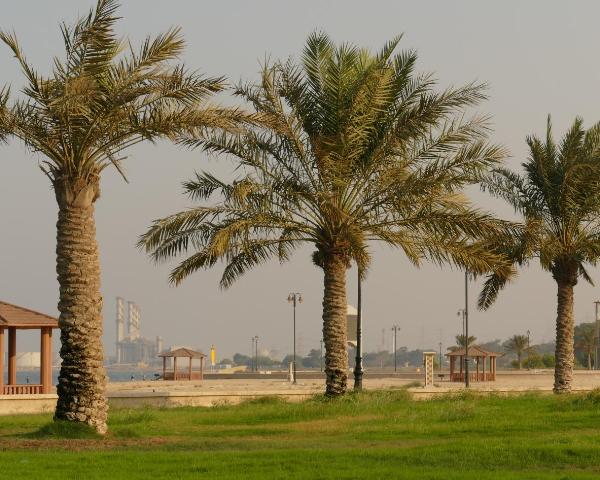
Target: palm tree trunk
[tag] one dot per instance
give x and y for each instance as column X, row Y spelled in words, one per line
column 519, row 360
column 589, row 355
column 334, row 324
column 563, row 371
column 82, row 378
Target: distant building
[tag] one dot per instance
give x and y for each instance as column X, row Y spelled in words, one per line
column 133, row 348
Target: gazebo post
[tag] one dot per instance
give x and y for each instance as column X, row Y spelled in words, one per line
column 12, row 356
column 46, row 359
column 201, row 368
column 164, row 367
column 484, row 360
column 1, row 361
column 477, row 368
column 494, row 362
column 174, row 368
column 190, row 369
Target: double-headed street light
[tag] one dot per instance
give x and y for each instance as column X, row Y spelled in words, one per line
column 294, row 298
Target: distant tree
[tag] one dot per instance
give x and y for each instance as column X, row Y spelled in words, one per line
column 313, row 359
column 460, row 341
column 492, row 345
column 517, row 344
column 240, row 359
column 290, row 358
column 559, row 198
column 226, row 361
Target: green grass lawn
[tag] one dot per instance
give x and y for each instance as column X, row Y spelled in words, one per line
column 372, row 435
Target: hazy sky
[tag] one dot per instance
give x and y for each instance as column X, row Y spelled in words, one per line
column 539, row 57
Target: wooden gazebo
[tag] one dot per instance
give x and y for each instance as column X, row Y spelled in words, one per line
column 183, row 374
column 480, row 372
column 13, row 318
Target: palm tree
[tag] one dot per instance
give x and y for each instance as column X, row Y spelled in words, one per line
column 559, row 197
column 587, row 343
column 460, row 341
column 99, row 100
column 517, row 344
column 354, row 148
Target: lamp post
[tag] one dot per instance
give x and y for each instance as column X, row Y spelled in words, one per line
column 256, row 350
column 294, row 298
column 597, row 355
column 252, row 356
column 358, row 368
column 440, row 356
column 395, row 329
column 528, row 350
column 465, row 317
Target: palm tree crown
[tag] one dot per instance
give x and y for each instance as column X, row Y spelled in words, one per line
column 354, row 147
column 103, row 97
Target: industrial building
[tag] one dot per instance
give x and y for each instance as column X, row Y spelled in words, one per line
column 131, row 347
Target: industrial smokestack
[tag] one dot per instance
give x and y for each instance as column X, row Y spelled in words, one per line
column 120, row 327
column 134, row 320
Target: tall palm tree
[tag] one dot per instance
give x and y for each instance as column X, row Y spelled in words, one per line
column 559, row 197
column 98, row 101
column 517, row 344
column 354, row 148
column 587, row 343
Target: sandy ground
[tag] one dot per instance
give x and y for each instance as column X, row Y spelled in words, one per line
column 504, row 382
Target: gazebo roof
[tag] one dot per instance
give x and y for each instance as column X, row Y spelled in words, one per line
column 474, row 351
column 19, row 317
column 182, row 352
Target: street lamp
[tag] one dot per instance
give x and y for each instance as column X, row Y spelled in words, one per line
column 528, row 350
column 395, row 329
column 294, row 298
column 465, row 316
column 597, row 356
column 440, row 356
column 252, row 356
column 256, row 349
column 358, row 366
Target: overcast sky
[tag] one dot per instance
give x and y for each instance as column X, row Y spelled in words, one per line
column 539, row 58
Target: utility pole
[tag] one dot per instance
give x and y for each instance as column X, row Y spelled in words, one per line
column 395, row 329
column 440, row 356
column 358, row 368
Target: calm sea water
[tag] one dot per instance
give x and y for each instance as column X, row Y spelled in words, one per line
column 33, row 376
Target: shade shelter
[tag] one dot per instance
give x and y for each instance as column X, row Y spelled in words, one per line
column 484, row 369
column 188, row 374
column 13, row 318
